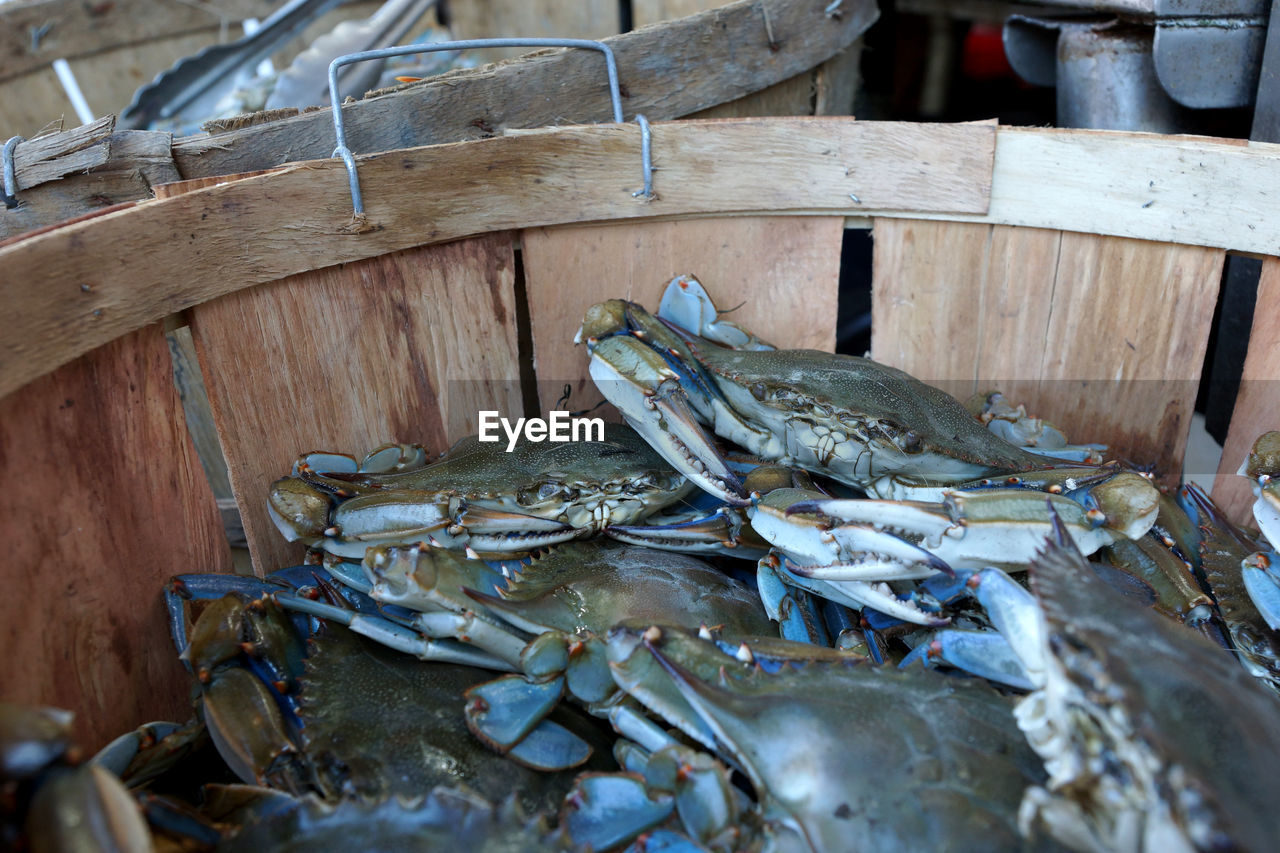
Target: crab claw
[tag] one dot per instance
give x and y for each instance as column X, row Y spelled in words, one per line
column 1001, row 527
column 1262, row 466
column 644, row 387
column 860, row 594
column 298, row 509
column 686, row 303
column 720, row 532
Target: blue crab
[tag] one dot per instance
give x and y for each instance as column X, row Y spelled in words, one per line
column 52, row 801
column 545, row 623
column 849, row 418
column 478, row 495
column 849, row 550
column 1118, row 714
column 1225, row 555
column 1262, row 571
column 309, row 730
column 839, row 755
column 1262, row 467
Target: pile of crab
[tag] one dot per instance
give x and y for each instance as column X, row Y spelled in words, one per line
column 801, row 602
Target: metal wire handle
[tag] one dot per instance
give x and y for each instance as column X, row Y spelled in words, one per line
column 10, row 197
column 339, row 127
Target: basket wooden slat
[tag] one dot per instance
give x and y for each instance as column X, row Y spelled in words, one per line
column 673, row 69
column 584, row 19
column 785, row 270
column 104, row 500
column 167, row 255
column 1257, row 408
column 1103, row 336
column 1058, row 302
column 403, row 347
column 670, row 70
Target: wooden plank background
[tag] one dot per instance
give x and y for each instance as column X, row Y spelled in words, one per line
column 1103, row 336
column 578, row 19
column 403, row 347
column 672, row 70
column 780, row 272
column 104, row 500
column 297, row 218
column 1258, row 403
column 114, row 48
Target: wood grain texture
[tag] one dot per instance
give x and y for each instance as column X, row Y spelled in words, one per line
column 73, row 28
column 404, row 347
column 1103, row 336
column 793, row 97
column 107, row 80
column 647, row 12
column 49, row 157
column 785, row 268
column 579, row 19
column 156, row 258
column 136, row 162
column 1258, row 403
column 836, row 82
column 1175, row 189
column 104, row 500
column 671, row 70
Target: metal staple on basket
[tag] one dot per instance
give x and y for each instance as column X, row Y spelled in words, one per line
column 10, row 173
column 611, row 68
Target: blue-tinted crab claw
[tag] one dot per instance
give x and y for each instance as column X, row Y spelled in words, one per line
column 1012, row 654
column 724, row 531
column 648, row 392
column 1263, row 586
column 1262, row 467
column 1000, row 527
column 686, row 304
column 860, row 594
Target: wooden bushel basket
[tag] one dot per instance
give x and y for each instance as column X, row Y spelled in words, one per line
column 1077, row 269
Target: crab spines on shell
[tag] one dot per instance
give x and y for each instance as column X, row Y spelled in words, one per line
column 1131, row 687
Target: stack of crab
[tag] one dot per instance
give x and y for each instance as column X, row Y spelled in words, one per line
column 916, row 634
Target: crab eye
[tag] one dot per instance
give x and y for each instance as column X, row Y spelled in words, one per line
column 758, row 390
column 911, row 443
column 547, row 491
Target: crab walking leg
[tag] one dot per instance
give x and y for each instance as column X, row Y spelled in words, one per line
column 636, row 727
column 398, row 637
column 983, row 653
column 1263, row 587
column 550, row 747
column 780, row 603
column 607, row 809
column 504, row 711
